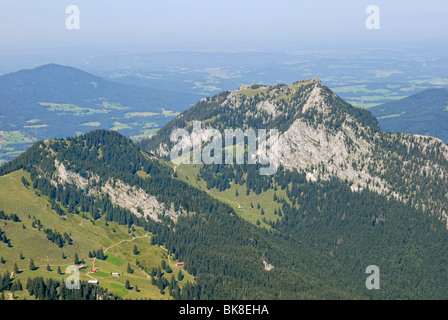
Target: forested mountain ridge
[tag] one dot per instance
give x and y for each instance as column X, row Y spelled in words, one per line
column 318, row 248
column 324, row 136
column 222, row 251
column 63, row 84
column 98, row 163
column 318, row 226
column 424, row 113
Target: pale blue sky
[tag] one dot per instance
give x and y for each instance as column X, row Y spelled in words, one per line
column 219, row 24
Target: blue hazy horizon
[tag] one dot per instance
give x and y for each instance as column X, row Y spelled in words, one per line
column 219, row 24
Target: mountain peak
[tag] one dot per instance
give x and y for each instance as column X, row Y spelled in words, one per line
column 257, row 88
column 51, row 74
column 305, row 103
column 314, row 80
column 319, row 133
column 51, row 66
column 58, row 69
column 307, row 98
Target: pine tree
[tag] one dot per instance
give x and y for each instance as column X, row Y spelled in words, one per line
column 77, row 259
column 177, row 295
column 180, row 276
column 25, row 182
column 16, row 286
column 129, row 269
column 59, row 270
column 153, row 272
column 100, row 254
column 127, row 285
column 16, row 268
column 136, row 250
column 48, row 267
column 168, row 269
column 32, row 265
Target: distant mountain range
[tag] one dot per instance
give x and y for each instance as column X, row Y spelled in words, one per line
column 424, row 113
column 62, row 84
column 58, row 101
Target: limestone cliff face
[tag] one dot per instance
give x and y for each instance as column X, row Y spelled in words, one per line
column 121, row 194
column 326, row 137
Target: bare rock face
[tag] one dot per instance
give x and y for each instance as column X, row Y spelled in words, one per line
column 324, row 137
column 137, row 201
column 321, row 152
column 68, row 176
column 268, row 107
column 134, row 199
column 123, row 195
column 267, row 266
column 315, row 100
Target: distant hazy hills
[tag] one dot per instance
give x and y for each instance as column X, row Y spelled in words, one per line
column 424, row 113
column 61, row 84
column 58, row 101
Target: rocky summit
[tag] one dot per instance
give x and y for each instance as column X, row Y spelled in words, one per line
column 325, row 137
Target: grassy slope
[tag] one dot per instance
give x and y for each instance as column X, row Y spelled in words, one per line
column 87, row 236
column 189, row 172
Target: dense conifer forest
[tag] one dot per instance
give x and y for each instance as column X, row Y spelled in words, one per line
column 320, row 247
